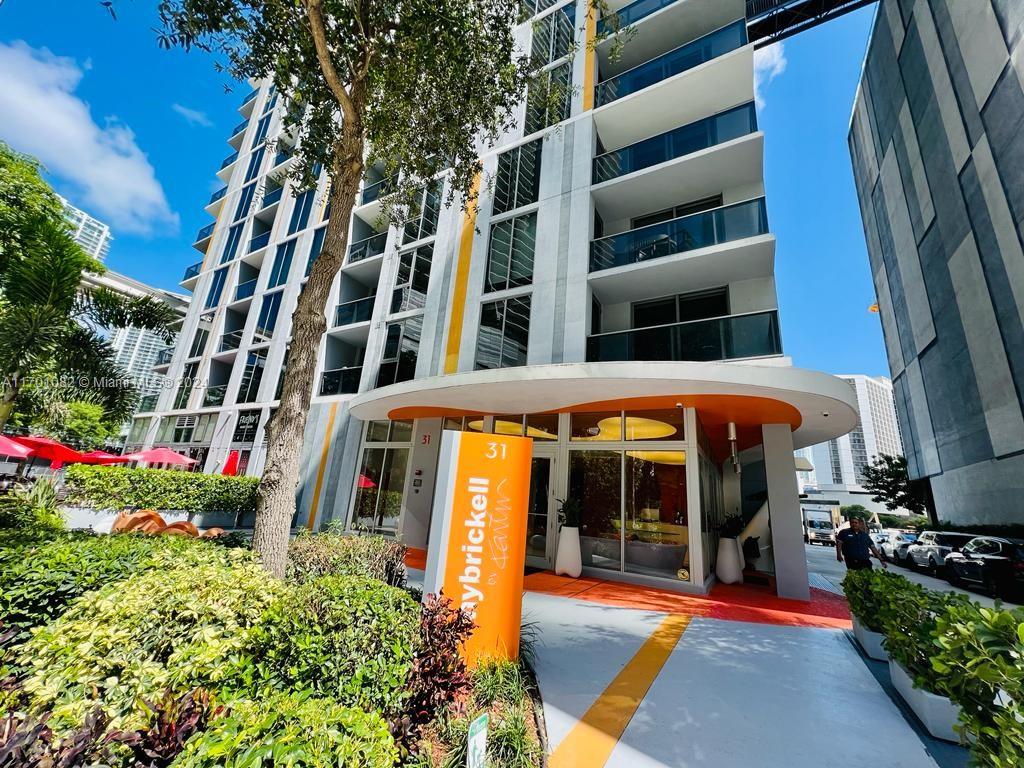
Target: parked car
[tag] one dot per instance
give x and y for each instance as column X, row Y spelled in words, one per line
column 931, row 548
column 994, row 564
column 895, row 545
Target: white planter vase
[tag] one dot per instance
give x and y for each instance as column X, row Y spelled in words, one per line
column 870, row 641
column 567, row 560
column 937, row 713
column 727, row 566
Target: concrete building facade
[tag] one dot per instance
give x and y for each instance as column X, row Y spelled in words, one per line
column 611, row 297
column 92, row 234
column 938, row 153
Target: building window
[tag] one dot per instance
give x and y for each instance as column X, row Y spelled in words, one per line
column 231, row 244
column 216, row 288
column 267, row 320
column 261, row 128
column 244, row 201
column 412, row 279
column 401, row 348
column 314, row 252
column 504, row 333
column 548, row 98
column 300, row 211
column 553, row 36
column 380, row 484
column 253, row 170
column 510, row 254
column 188, row 382
column 699, row 305
column 518, row 180
column 282, row 264
column 249, row 388
column 422, row 221
column 201, row 335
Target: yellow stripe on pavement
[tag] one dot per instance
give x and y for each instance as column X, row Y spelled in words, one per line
column 590, row 743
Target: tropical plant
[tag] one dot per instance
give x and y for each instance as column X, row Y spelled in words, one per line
column 731, row 527
column 173, row 721
column 888, row 479
column 84, row 424
column 414, row 86
column 32, row 508
column 570, row 511
column 498, row 680
column 871, row 595
column 312, row 556
column 24, row 198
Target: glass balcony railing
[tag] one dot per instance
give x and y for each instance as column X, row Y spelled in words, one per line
column 214, row 396
column 341, row 381
column 281, row 156
column 721, row 338
column 274, row 196
column 260, row 241
column 205, row 232
column 698, row 230
column 219, row 194
column 250, row 97
column 230, row 340
column 229, row 160
column 367, row 248
column 147, row 403
column 712, row 45
column 631, row 14
column 239, row 128
column 192, row 271
column 358, row 311
column 680, row 142
column 245, row 290
column 164, row 356
column 374, row 191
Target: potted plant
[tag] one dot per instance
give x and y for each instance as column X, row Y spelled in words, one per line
column 729, row 565
column 866, row 594
column 568, row 559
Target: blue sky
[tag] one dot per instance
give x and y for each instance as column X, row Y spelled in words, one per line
column 133, row 134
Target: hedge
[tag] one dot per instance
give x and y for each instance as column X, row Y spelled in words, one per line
column 956, row 648
column 311, row 556
column 108, row 487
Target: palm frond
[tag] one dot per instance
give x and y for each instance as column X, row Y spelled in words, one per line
column 108, row 309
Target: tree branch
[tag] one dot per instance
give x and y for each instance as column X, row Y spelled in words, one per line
column 314, row 11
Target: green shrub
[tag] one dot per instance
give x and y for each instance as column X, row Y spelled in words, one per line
column 40, row 575
column 871, row 594
column 334, row 554
column 108, row 487
column 351, row 639
column 497, row 680
column 292, row 731
column 32, row 508
column 166, row 628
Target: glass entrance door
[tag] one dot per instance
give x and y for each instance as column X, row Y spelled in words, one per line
column 541, row 519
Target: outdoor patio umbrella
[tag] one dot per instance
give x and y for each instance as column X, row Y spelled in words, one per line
column 46, row 448
column 231, row 464
column 9, row 447
column 159, row 456
column 365, row 482
column 102, row 457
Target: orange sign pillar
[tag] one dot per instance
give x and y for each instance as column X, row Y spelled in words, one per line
column 477, row 548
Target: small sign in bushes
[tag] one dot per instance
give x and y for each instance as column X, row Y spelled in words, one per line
column 476, row 745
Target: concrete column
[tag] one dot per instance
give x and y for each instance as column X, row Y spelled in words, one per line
column 417, row 504
column 784, row 513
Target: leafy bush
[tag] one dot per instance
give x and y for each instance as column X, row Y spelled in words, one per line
column 334, row 554
column 32, row 508
column 292, row 731
column 351, row 639
column 870, row 594
column 40, row 575
column 109, row 487
column 175, row 719
column 175, row 628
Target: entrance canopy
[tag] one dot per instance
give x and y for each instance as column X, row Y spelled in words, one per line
column 817, row 406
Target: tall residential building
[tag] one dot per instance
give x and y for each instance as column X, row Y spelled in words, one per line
column 938, row 147
column 92, row 234
column 612, row 297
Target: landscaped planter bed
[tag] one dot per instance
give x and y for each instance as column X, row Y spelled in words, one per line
column 870, row 642
column 937, row 713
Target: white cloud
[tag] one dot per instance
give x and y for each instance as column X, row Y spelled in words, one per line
column 110, row 175
column 769, row 63
column 193, row 116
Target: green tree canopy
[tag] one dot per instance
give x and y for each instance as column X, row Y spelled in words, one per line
column 887, row 478
column 24, row 197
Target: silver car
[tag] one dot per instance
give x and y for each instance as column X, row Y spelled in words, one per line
column 896, row 544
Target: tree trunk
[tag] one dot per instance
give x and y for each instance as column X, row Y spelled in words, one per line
column 275, row 507
column 7, row 401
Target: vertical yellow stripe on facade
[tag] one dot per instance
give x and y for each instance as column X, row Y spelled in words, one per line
column 324, row 450
column 465, row 256
column 590, row 66
column 591, row 741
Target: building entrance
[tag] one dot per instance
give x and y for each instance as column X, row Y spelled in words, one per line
column 541, row 514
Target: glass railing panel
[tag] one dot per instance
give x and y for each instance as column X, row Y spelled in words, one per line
column 712, row 45
column 260, row 241
column 250, row 97
column 373, row 191
column 680, row 142
column 239, row 128
column 245, row 290
column 229, row 160
column 218, row 195
column 698, row 230
column 358, row 311
column 164, row 356
column 272, row 197
column 281, row 156
column 367, row 248
column 205, row 232
column 230, row 340
column 631, row 14
column 147, row 403
column 192, row 271
column 214, row 396
column 722, row 338
column 341, row 381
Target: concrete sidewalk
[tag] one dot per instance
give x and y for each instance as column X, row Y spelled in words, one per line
column 632, row 688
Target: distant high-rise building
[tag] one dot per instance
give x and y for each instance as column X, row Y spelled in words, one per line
column 92, row 234
column 937, row 152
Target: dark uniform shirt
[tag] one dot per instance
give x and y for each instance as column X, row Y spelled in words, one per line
column 856, row 544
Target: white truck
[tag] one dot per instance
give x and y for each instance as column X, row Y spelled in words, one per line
column 818, row 526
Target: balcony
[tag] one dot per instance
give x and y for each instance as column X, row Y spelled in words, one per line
column 229, row 160
column 192, row 272
column 677, row 143
column 218, row 195
column 271, row 198
column 163, row 357
column 375, row 190
column 367, row 248
column 214, row 396
column 352, row 312
column 239, row 128
column 260, row 241
column 245, row 290
column 283, row 155
column 732, row 337
column 230, row 341
column 699, row 230
column 341, row 381
column 205, row 233
column 147, row 403
column 248, row 103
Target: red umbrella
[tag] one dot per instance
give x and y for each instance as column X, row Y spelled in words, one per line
column 45, row 448
column 9, row 447
column 231, row 464
column 102, row 457
column 159, row 456
column 365, row 482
